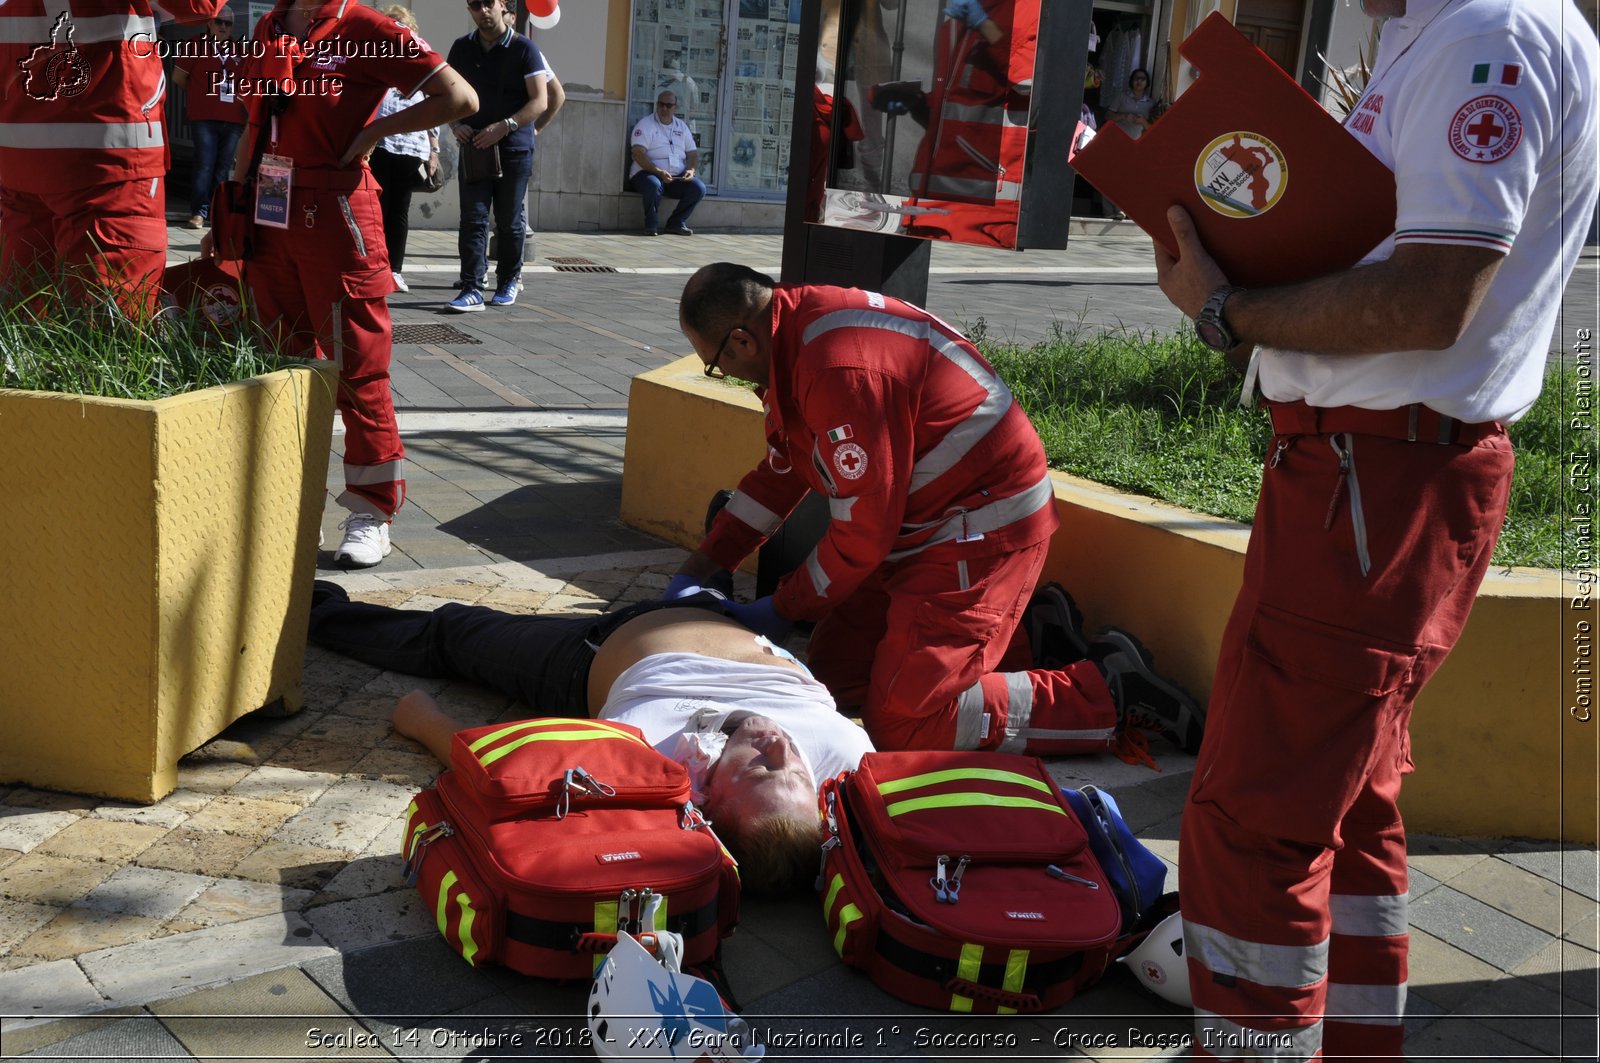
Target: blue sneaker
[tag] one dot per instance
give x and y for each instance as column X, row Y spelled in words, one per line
column 507, row 293
column 470, row 301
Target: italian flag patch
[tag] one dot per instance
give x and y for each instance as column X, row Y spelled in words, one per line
column 840, row 434
column 1502, row 74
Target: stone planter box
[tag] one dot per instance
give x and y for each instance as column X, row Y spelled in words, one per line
column 1498, row 750
column 158, row 560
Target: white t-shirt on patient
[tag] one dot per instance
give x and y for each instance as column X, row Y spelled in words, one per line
column 665, row 694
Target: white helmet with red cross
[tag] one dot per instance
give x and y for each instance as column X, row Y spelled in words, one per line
column 1158, row 962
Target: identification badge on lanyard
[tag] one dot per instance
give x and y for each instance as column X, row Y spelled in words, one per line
column 274, row 182
column 225, row 87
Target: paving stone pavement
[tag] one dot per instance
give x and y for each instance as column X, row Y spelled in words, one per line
column 259, row 910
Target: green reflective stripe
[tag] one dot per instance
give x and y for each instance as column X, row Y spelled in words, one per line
column 588, row 726
column 833, row 892
column 605, row 922
column 917, row 804
column 969, row 968
column 933, row 778
column 847, row 915
column 469, row 944
column 416, row 832
column 1016, row 972
column 566, row 736
column 441, row 910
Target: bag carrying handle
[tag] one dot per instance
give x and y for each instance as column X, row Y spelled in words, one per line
column 1003, row 997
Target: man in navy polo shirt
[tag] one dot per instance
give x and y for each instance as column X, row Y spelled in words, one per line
column 507, row 71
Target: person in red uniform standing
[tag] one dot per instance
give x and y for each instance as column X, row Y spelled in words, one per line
column 941, row 510
column 319, row 285
column 83, row 149
column 207, row 71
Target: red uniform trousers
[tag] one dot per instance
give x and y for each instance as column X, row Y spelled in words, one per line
column 320, row 287
column 1292, row 847
column 112, row 236
column 917, row 648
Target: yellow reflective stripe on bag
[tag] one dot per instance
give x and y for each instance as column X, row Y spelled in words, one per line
column 465, row 942
column 847, row 915
column 587, row 734
column 577, row 728
column 970, row 969
column 1016, row 974
column 934, row 778
column 966, row 800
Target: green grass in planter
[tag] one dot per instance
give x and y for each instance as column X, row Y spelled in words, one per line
column 90, row 350
column 1158, row 415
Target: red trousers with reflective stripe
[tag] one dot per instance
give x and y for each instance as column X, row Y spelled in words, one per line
column 321, row 289
column 1294, row 794
column 918, row 634
column 113, row 235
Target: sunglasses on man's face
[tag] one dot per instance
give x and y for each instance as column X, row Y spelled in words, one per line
column 666, row 106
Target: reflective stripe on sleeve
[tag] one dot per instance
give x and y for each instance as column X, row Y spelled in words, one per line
column 1368, row 1005
column 1369, row 916
column 94, row 29
column 1290, row 966
column 839, row 509
column 753, row 513
column 121, row 136
column 969, row 717
column 819, row 578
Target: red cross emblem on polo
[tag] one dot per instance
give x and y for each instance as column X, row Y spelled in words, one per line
column 543, row 13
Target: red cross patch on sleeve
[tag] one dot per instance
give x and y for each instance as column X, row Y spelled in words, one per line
column 1485, row 129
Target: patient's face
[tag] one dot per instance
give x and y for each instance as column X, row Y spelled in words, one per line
column 760, row 773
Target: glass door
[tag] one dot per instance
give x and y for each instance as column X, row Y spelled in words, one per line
column 731, row 65
column 679, row 46
column 760, row 104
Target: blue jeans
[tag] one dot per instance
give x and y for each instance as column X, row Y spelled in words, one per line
column 688, row 194
column 542, row 661
column 507, row 197
column 214, row 144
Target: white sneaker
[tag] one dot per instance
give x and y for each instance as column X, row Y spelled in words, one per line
column 400, row 284
column 366, row 541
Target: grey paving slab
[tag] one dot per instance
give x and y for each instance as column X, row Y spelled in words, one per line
column 1534, row 1012
column 283, row 1014
column 1575, row 868
column 1476, row 928
column 134, row 1040
column 31, row 994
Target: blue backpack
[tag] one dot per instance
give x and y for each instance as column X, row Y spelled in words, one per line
column 1138, row 876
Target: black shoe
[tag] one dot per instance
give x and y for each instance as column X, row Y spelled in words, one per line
column 1143, row 698
column 679, row 230
column 651, row 232
column 1054, row 625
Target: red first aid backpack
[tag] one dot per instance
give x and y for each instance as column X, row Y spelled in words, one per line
column 547, row 836
column 964, row 882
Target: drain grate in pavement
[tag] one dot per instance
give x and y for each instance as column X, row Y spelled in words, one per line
column 579, row 265
column 440, row 334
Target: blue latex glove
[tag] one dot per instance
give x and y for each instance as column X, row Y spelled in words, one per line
column 761, row 616
column 969, row 11
column 681, row 586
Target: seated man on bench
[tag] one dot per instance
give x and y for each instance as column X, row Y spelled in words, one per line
column 756, row 732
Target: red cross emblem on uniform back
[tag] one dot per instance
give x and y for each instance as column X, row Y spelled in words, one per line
column 1485, row 129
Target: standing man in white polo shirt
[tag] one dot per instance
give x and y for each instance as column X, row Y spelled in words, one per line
column 665, row 157
column 1389, row 385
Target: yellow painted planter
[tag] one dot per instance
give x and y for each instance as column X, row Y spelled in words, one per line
column 158, row 560
column 1498, row 749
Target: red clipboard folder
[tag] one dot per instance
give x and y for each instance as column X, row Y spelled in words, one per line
column 1278, row 190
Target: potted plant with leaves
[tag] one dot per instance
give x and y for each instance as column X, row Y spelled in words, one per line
column 161, row 484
